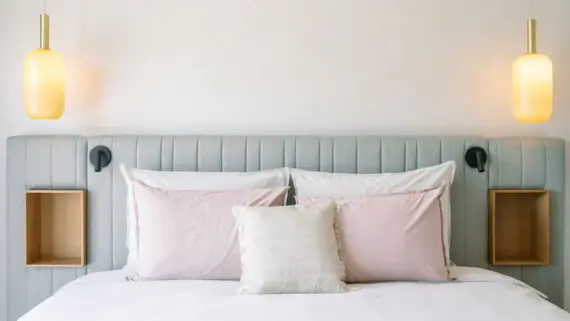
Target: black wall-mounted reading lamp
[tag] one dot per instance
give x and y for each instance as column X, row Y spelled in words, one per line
column 100, row 157
column 476, row 157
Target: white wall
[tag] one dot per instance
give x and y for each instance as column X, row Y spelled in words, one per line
column 284, row 66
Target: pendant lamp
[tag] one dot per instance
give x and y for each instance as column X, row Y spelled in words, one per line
column 44, row 78
column 532, row 82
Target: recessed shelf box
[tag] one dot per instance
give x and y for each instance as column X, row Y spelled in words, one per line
column 55, row 228
column 519, row 227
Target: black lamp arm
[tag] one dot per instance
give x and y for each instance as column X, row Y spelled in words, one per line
column 97, row 164
column 480, row 162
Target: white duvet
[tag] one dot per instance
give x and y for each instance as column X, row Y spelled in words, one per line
column 482, row 296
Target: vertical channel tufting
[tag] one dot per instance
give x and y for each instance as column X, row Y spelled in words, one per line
column 137, row 152
column 522, row 164
column 17, row 279
column 369, row 153
column 509, row 171
column 533, row 177
column 429, row 152
column 75, row 168
column 221, row 155
column 253, row 150
column 290, row 154
column 555, row 183
column 357, row 154
column 411, row 154
column 51, row 170
column 440, row 151
column 476, row 185
column 198, row 153
column 333, row 155
column 209, row 156
column 166, row 146
column 272, row 152
column 81, row 169
column 149, row 152
column 172, row 168
column 453, row 150
column 64, row 176
column 285, row 153
column 320, row 149
column 493, row 164
column 160, row 168
column 186, row 154
column 417, row 163
column 326, row 154
column 125, row 151
column 39, row 177
column 307, row 152
column 392, row 153
column 533, row 163
column 546, row 165
column 344, row 155
column 406, row 156
column 246, row 151
column 234, row 154
column 465, row 227
column 100, row 219
column 381, row 155
column 114, row 227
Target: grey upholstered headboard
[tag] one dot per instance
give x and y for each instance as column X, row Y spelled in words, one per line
column 60, row 162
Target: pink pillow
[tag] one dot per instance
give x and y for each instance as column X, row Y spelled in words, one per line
column 192, row 234
column 395, row 237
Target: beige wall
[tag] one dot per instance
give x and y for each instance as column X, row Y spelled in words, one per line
column 284, row 66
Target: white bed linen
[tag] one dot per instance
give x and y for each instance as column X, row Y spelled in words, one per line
column 107, row 296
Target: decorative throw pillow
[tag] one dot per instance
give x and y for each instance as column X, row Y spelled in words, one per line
column 394, row 237
column 191, row 234
column 317, row 184
column 202, row 181
column 289, row 249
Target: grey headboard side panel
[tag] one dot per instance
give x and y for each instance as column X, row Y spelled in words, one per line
column 61, row 162
column 41, row 162
column 540, row 164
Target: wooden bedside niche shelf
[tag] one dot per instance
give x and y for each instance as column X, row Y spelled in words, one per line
column 519, row 227
column 55, row 228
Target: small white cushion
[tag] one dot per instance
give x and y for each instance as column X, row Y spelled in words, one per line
column 289, row 249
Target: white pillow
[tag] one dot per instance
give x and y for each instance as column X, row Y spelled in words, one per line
column 289, row 249
column 318, row 184
column 204, row 181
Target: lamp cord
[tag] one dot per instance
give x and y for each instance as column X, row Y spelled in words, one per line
column 45, row 6
column 532, row 9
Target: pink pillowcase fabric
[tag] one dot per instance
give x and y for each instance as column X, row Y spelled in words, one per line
column 394, row 237
column 192, row 235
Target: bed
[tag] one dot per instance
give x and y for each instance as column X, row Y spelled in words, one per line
column 99, row 290
column 485, row 295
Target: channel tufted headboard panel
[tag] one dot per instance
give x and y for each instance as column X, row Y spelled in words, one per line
column 60, row 162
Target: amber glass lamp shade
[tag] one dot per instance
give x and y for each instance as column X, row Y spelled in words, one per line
column 44, row 79
column 532, row 83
